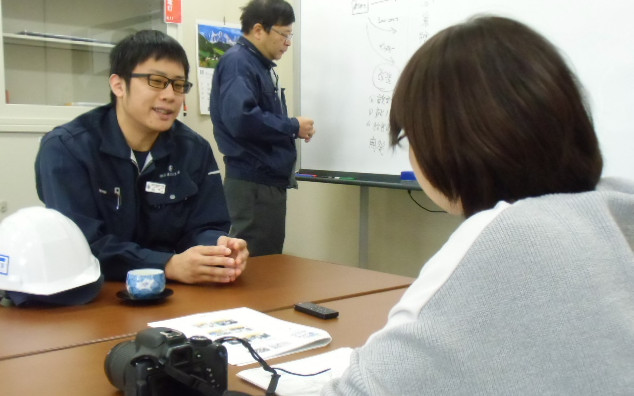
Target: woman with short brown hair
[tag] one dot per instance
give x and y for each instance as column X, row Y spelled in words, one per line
column 534, row 292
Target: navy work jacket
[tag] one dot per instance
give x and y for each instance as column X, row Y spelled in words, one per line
column 250, row 119
column 133, row 216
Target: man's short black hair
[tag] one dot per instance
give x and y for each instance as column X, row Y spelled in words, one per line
column 141, row 46
column 268, row 13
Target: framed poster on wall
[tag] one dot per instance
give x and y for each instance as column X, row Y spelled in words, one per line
column 213, row 40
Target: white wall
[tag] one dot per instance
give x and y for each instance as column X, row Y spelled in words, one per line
column 323, row 219
column 17, row 173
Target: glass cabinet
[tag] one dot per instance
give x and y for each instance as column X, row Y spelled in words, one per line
column 54, row 53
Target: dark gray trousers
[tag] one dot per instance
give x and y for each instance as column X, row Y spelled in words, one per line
column 258, row 215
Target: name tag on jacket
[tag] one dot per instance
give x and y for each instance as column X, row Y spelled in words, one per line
column 157, row 188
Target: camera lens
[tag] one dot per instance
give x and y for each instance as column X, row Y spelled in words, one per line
column 116, row 361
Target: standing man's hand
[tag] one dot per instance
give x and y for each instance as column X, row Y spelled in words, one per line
column 306, row 128
column 222, row 263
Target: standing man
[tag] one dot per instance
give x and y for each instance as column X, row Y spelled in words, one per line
column 252, row 129
column 143, row 187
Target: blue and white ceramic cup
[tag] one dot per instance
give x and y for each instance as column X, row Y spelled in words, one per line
column 145, row 283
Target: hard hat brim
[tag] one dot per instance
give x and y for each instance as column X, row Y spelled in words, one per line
column 77, row 296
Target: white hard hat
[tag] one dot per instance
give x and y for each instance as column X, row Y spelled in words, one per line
column 43, row 252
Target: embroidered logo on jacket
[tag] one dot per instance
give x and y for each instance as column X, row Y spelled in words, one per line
column 170, row 172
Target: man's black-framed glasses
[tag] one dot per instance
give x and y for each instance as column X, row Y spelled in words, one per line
column 287, row 37
column 158, row 81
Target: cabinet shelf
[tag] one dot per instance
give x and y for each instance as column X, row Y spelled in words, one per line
column 50, row 57
column 55, row 42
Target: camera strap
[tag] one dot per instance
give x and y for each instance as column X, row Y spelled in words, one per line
column 275, row 377
column 191, row 381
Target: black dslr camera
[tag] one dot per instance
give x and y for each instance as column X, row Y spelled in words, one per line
column 162, row 361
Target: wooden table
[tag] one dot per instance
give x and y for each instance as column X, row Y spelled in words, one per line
column 359, row 317
column 269, row 283
column 80, row 370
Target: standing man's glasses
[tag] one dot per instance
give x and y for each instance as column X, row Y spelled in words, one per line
column 158, row 81
column 287, row 37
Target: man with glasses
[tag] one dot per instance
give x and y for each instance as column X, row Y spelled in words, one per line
column 252, row 128
column 144, row 188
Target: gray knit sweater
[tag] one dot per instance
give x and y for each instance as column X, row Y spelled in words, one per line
column 533, row 298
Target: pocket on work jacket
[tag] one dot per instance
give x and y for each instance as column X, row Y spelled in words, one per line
column 169, row 191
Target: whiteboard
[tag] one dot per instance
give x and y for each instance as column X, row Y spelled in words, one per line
column 351, row 53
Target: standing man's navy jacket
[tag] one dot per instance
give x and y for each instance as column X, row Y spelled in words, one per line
column 250, row 119
column 133, row 215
